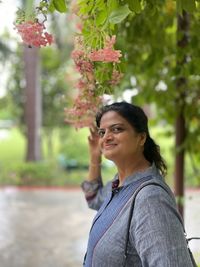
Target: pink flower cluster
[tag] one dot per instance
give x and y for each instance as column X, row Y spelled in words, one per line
column 107, row 54
column 83, row 112
column 34, row 34
column 83, row 65
column 87, row 102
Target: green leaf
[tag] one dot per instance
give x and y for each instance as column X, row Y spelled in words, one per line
column 134, row 5
column 101, row 18
column 51, row 7
column 85, row 9
column 60, row 5
column 100, row 4
column 119, row 14
column 112, row 5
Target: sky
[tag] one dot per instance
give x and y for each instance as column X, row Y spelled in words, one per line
column 7, row 17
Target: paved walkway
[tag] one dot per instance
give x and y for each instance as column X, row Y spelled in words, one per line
column 49, row 228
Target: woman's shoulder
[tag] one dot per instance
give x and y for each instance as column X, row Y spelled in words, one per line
column 155, row 190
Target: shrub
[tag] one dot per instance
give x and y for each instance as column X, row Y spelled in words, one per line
column 28, row 174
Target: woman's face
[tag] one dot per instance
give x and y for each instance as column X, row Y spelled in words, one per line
column 118, row 139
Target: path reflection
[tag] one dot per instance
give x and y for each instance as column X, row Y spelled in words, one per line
column 43, row 228
column 49, row 228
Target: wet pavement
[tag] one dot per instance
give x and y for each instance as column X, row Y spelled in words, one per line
column 49, row 228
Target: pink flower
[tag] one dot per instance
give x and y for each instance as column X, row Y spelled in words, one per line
column 79, row 26
column 32, row 33
column 110, row 41
column 84, row 66
column 106, row 55
column 49, row 37
column 82, row 114
column 81, row 84
column 116, row 77
column 77, row 54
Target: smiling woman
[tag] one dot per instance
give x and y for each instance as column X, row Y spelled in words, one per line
column 120, row 143
column 155, row 233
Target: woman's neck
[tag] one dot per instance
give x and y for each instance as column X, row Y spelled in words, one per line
column 126, row 168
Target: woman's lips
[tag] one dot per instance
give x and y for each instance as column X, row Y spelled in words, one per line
column 108, row 146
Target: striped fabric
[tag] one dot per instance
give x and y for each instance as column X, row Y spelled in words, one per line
column 108, row 213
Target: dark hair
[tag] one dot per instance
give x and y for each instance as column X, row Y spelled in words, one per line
column 139, row 121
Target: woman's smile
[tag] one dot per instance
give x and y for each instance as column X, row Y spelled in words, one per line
column 109, row 146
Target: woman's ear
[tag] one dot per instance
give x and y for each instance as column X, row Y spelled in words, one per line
column 143, row 138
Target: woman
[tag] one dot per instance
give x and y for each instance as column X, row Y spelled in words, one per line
column 156, row 234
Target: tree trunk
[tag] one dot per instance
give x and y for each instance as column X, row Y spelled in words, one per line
column 179, row 169
column 33, row 104
column 181, row 83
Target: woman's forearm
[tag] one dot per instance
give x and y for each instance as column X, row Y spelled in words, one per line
column 94, row 172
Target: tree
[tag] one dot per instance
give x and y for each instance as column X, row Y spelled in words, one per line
column 32, row 96
column 33, row 103
column 53, row 65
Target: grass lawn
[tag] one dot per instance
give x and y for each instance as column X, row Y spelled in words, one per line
column 12, row 146
column 50, row 172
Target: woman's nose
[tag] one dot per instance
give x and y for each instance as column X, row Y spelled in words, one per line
column 108, row 135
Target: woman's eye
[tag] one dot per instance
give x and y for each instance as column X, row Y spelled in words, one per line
column 101, row 133
column 116, row 129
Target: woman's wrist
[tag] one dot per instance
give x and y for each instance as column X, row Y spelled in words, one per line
column 95, row 163
column 95, row 160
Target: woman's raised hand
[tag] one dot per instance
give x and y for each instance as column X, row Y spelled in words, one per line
column 94, row 148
